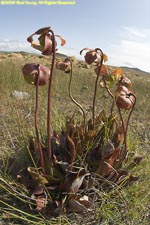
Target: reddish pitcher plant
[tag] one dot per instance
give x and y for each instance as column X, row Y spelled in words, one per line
column 37, row 75
column 66, row 66
column 124, row 98
column 32, row 72
column 45, row 41
column 91, row 56
column 47, row 45
column 86, row 154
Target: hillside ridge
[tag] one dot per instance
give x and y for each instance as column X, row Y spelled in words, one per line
column 136, row 71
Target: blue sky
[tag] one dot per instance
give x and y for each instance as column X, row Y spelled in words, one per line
column 121, row 28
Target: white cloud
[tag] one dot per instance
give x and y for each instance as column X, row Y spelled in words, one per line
column 69, row 51
column 133, row 32
column 133, row 49
column 14, row 45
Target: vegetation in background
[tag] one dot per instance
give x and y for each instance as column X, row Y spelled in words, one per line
column 88, row 159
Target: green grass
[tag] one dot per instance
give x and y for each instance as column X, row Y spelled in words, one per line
column 130, row 205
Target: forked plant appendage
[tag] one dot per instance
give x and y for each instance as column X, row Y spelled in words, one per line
column 49, row 98
column 36, row 122
column 72, row 98
column 95, row 88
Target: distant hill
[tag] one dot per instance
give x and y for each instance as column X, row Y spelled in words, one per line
column 135, row 71
column 60, row 55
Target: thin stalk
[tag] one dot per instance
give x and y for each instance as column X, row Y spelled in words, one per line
column 13, row 215
column 110, row 93
column 124, row 151
column 31, row 157
column 95, row 88
column 131, row 111
column 49, row 100
column 18, row 210
column 13, row 193
column 72, row 98
column 124, row 128
column 36, row 122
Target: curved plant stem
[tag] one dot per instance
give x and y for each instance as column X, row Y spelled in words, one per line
column 110, row 93
column 94, row 100
column 124, row 127
column 95, row 88
column 72, row 98
column 127, row 125
column 36, row 122
column 124, row 150
column 49, row 100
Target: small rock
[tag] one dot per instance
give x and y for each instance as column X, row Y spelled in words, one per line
column 20, row 95
column 84, row 88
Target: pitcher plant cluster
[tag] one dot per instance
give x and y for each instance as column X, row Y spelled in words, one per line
column 92, row 153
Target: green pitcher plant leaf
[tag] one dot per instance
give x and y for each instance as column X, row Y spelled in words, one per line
column 37, row 175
